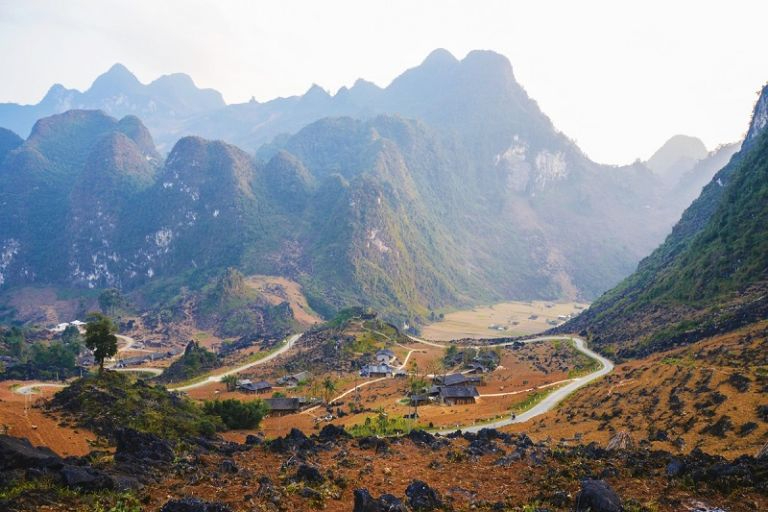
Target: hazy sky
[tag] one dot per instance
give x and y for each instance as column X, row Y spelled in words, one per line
column 619, row 77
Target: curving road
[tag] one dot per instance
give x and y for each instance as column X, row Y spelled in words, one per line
column 551, row 400
column 289, row 342
column 545, row 405
column 29, row 389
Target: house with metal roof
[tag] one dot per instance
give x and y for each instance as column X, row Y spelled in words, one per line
column 458, row 395
column 376, row 370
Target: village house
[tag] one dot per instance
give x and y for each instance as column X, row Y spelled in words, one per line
column 254, row 387
column 385, row 356
column 294, row 380
column 474, row 368
column 458, row 395
column 420, row 399
column 457, row 379
column 376, row 370
column 283, row 406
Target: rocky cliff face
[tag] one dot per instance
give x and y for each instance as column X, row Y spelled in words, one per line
column 476, row 198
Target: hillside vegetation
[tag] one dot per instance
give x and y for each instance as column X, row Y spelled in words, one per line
column 417, row 202
column 710, row 275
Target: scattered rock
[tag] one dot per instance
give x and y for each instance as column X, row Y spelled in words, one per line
column 309, row 474
column 377, row 444
column 135, row 445
column 763, row 452
column 333, row 433
column 508, row 460
column 422, row 497
column 424, row 438
column 193, row 505
column 364, row 502
column 621, row 441
column 18, row 453
column 268, row 491
column 86, row 478
column 309, row 493
column 596, row 496
column 228, row 466
column 296, row 440
column 675, row 468
column 252, row 440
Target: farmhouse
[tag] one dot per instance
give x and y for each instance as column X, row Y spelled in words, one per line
column 458, row 395
column 385, row 356
column 294, row 380
column 477, row 368
column 283, row 406
column 376, row 370
column 457, row 379
column 254, row 387
column 420, row 399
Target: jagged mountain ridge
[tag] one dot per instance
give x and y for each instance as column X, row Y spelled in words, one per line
column 477, row 199
column 163, row 103
column 709, row 276
column 387, row 212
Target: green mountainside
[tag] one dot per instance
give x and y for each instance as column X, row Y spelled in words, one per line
column 709, row 276
column 473, row 197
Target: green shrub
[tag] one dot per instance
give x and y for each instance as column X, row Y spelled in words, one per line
column 236, row 414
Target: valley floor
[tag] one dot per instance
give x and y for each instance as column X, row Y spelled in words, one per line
column 518, row 318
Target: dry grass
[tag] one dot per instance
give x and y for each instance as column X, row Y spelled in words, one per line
column 280, row 289
column 515, row 316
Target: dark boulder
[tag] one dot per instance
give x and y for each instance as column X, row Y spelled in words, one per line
column 377, row 444
column 424, row 438
column 596, row 496
column 333, row 433
column 508, row 460
column 228, row 466
column 364, row 502
column 18, row 453
column 135, row 445
column 675, row 468
column 310, row 494
column 86, row 478
column 422, row 497
column 252, row 440
column 309, row 474
column 268, row 491
column 193, row 505
column 294, row 441
column 523, row 441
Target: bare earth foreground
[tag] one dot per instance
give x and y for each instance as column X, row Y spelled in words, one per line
column 519, row 319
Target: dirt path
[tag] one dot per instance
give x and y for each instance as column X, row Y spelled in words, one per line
column 361, row 385
column 287, row 345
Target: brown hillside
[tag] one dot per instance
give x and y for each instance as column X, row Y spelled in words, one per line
column 710, row 395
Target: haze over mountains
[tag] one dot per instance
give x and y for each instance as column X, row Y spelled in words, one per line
column 710, row 276
column 447, row 187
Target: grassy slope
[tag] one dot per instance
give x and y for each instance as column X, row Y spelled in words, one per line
column 710, row 395
column 709, row 276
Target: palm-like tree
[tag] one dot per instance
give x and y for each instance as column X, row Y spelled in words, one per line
column 329, row 385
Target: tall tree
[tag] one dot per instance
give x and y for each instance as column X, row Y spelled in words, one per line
column 329, row 386
column 230, row 381
column 110, row 300
column 71, row 335
column 100, row 337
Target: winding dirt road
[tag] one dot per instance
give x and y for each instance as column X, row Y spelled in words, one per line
column 287, row 345
column 552, row 399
